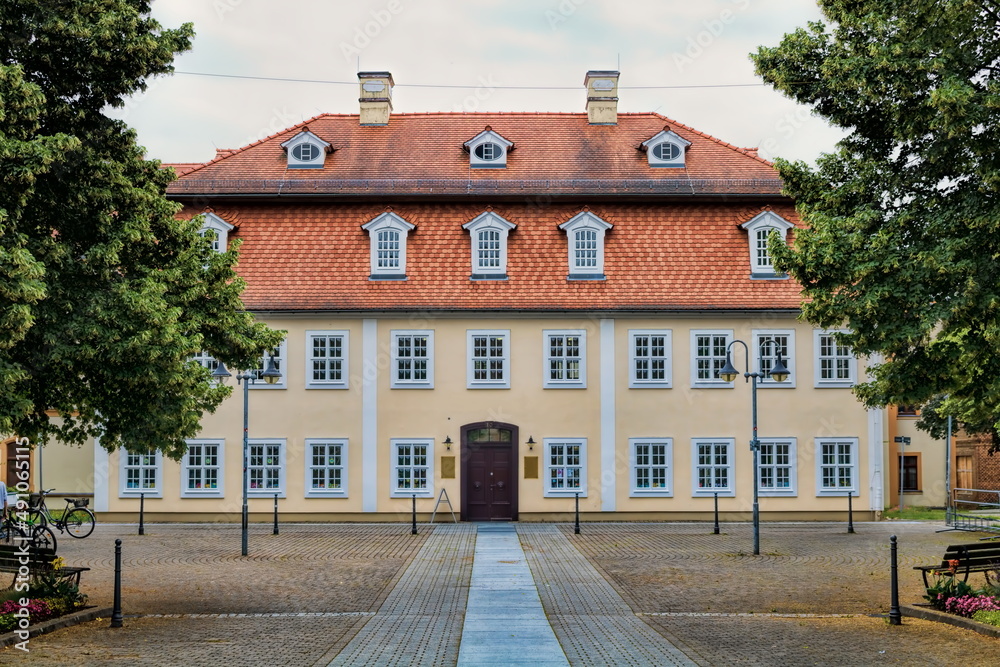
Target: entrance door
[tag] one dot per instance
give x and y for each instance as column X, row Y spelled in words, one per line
column 489, row 472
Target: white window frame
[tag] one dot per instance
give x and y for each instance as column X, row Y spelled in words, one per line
column 761, row 265
column 548, row 359
column 718, row 444
column 387, row 222
column 306, row 137
column 156, row 491
column 488, row 136
column 342, row 383
column 585, row 221
column 282, row 465
column 219, row 227
column 219, row 490
column 489, row 222
column 666, row 491
column 310, row 465
column 713, row 382
column 395, row 490
column 851, row 445
column 792, row 467
column 666, row 137
column 565, row 464
column 279, row 363
column 397, row 382
column 818, row 359
column 634, row 381
column 787, row 356
column 486, row 383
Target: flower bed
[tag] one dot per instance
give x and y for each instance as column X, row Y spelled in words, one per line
column 951, row 596
column 49, row 596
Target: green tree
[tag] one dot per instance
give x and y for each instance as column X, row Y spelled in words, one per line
column 104, row 294
column 903, row 236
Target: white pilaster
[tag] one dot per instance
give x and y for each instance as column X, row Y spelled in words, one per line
column 609, row 473
column 102, row 481
column 369, row 415
column 876, row 457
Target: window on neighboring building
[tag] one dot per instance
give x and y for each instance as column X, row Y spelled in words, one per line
column 835, row 363
column 565, row 359
column 201, row 469
column 713, row 466
column 708, row 356
column 651, row 461
column 488, row 232
column 266, row 467
column 141, row 472
column 326, row 467
column 412, row 359
column 765, row 353
column 759, row 231
column 278, row 354
column 776, row 467
column 585, row 238
column 326, row 363
column 387, row 235
column 649, row 358
column 489, row 355
column 412, row 473
column 908, row 411
column 565, row 467
column 837, row 464
column 911, row 473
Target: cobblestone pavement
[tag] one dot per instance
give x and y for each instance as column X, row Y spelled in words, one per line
column 308, row 596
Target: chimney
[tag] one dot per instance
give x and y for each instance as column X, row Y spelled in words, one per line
column 376, row 97
column 602, row 97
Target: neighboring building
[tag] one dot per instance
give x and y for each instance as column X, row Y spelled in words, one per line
column 514, row 308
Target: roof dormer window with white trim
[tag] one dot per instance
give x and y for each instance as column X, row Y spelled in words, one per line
column 488, row 150
column 585, row 241
column 666, row 149
column 388, row 233
column 306, row 151
column 217, row 231
column 488, row 232
column 759, row 230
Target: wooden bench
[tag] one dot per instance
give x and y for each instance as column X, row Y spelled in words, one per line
column 976, row 557
column 38, row 561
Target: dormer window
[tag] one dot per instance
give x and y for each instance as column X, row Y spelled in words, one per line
column 388, row 234
column 488, row 150
column 585, row 239
column 217, row 231
column 306, row 151
column 488, row 232
column 759, row 230
column 665, row 149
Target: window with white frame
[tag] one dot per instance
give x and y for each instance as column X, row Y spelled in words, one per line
column 665, row 149
column 306, row 151
column 266, row 467
column 565, row 467
column 585, row 238
column 565, row 359
column 202, row 468
column 216, row 230
column 713, row 466
column 412, row 359
column 649, row 358
column 279, row 354
column 141, row 472
column 387, row 238
column 489, row 359
column 767, row 343
column 326, row 468
column 708, row 356
column 205, row 360
column 488, row 232
column 488, row 150
column 651, row 462
column 835, row 365
column 776, row 467
column 759, row 230
column 326, row 360
column 412, row 468
column 836, row 466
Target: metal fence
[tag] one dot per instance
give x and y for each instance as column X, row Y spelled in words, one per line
column 975, row 510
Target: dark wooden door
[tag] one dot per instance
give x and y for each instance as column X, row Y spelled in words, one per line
column 489, row 472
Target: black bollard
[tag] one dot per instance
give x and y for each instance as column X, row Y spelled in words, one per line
column 116, row 612
column 276, row 514
column 895, row 616
column 142, row 509
column 850, row 512
column 413, row 530
column 716, row 531
column 576, row 525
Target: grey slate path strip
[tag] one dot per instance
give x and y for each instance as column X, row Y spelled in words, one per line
column 420, row 622
column 593, row 623
column 504, row 620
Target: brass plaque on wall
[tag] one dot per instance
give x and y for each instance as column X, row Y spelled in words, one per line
column 531, row 467
column 447, row 467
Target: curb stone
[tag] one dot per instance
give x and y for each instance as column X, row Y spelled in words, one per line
column 928, row 614
column 45, row 627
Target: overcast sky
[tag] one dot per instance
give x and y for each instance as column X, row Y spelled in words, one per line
column 685, row 59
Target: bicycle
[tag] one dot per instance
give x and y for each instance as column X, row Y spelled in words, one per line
column 76, row 518
column 14, row 531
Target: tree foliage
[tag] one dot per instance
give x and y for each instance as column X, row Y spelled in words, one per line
column 903, row 237
column 104, row 294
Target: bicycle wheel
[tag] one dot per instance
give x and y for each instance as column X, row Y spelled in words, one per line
column 42, row 537
column 79, row 522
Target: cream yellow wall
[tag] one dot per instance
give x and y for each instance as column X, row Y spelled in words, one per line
column 932, row 464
